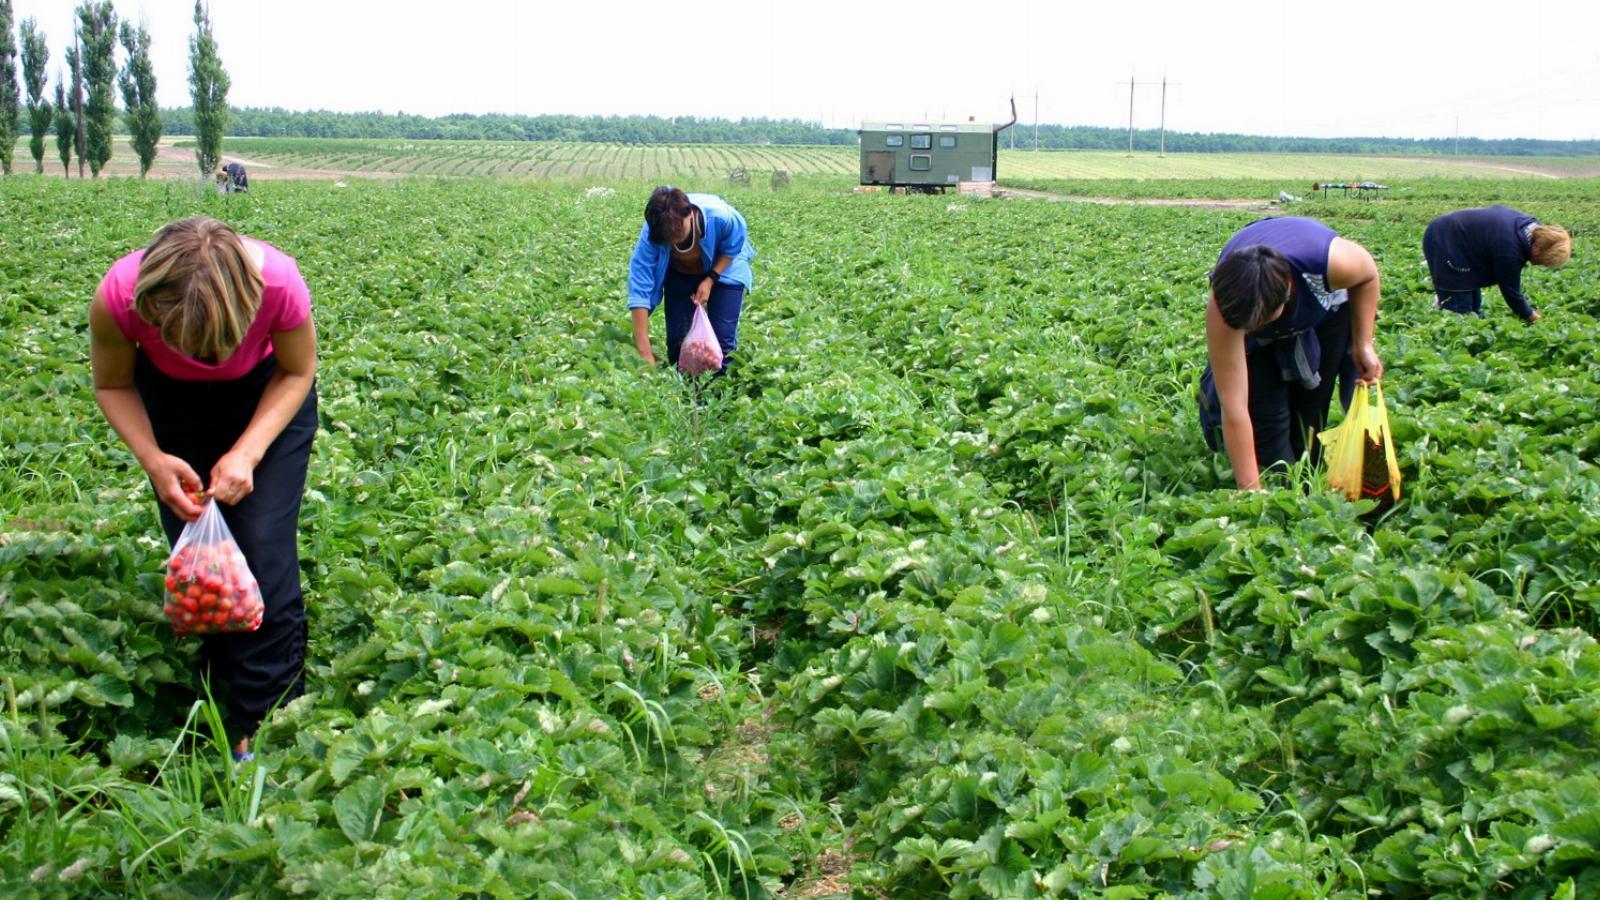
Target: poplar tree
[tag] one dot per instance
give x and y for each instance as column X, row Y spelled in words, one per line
column 138, row 84
column 10, row 103
column 75, row 60
column 208, row 91
column 66, row 126
column 97, row 31
column 35, row 59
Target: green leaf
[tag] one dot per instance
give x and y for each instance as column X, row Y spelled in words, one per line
column 559, row 587
column 1584, row 827
column 359, row 808
column 348, row 755
column 112, row 690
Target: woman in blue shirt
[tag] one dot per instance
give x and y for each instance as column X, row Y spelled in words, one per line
column 694, row 250
column 1470, row 249
column 1292, row 307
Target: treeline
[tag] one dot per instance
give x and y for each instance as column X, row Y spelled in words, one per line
column 274, row 122
column 1081, row 137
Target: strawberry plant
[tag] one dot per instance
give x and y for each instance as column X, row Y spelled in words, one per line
column 940, row 593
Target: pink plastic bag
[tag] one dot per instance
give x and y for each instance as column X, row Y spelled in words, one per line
column 210, row 588
column 701, row 351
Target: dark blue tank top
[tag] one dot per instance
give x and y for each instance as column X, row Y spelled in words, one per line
column 1304, row 243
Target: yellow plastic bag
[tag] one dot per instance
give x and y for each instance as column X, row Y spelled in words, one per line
column 1360, row 452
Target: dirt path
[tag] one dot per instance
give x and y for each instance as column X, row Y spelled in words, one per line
column 166, row 151
column 269, row 171
column 1135, row 201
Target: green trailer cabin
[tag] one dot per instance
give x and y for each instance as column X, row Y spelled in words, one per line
column 928, row 156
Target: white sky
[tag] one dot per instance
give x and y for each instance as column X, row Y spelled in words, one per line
column 1394, row 68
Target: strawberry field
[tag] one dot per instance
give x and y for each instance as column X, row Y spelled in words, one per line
column 939, row 594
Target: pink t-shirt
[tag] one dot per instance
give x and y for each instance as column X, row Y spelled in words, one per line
column 285, row 306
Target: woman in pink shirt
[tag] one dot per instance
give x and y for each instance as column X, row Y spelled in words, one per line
column 205, row 361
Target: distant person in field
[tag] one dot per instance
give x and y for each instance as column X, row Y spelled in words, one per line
column 232, row 179
column 694, row 250
column 1292, row 308
column 204, row 359
column 1471, row 249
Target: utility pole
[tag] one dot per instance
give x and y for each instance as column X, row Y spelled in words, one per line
column 1130, row 115
column 1458, row 134
column 1163, row 114
column 1134, row 83
column 1036, row 119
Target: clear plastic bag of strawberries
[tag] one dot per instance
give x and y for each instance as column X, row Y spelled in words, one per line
column 209, row 588
column 701, row 351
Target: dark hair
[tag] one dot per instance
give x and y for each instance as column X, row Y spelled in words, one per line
column 666, row 205
column 1251, row 284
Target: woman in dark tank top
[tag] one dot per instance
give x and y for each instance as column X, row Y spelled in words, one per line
column 1292, row 309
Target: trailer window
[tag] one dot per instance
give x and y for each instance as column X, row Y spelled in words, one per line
column 947, row 140
column 894, row 126
column 921, row 162
column 921, row 141
column 894, row 140
column 947, row 128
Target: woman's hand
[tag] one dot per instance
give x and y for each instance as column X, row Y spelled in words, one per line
column 176, row 484
column 233, row 477
column 1369, row 367
column 703, row 292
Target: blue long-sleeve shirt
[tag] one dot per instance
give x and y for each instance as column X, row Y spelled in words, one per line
column 725, row 235
column 1475, row 248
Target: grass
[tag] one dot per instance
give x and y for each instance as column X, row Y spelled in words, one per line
column 61, row 797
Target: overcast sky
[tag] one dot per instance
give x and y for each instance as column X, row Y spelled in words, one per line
column 1395, row 68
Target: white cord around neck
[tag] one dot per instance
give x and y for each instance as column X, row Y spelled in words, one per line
column 694, row 234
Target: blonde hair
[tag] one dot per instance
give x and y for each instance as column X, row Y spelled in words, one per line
column 1552, row 246
column 199, row 286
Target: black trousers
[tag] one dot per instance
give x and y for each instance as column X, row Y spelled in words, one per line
column 199, row 421
column 1283, row 412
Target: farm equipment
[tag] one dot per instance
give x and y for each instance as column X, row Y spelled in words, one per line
column 1362, row 188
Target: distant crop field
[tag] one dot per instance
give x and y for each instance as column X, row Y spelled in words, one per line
column 526, row 159
column 613, row 162
column 299, row 158
column 1307, row 167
